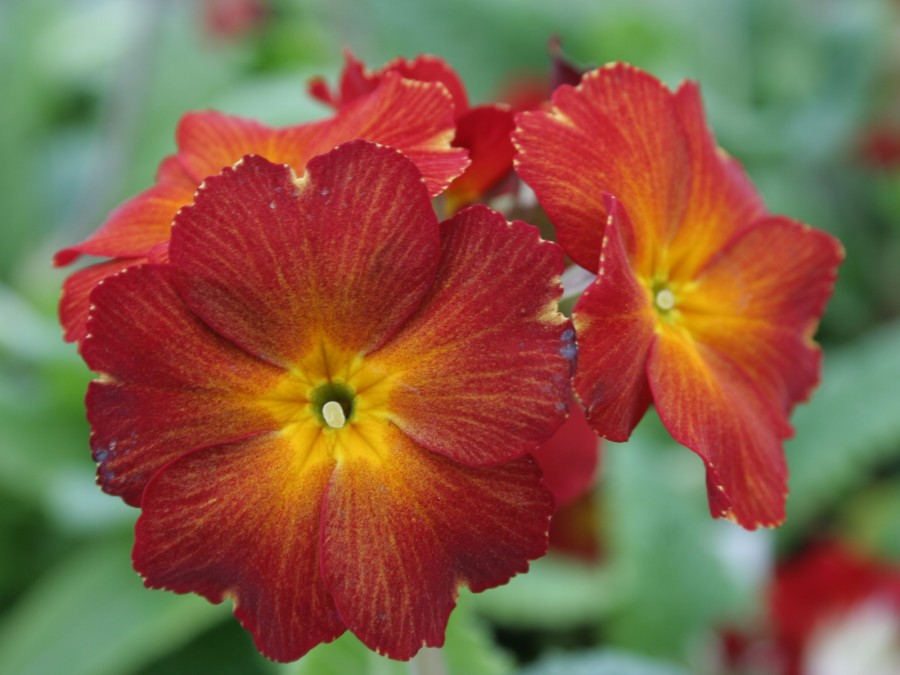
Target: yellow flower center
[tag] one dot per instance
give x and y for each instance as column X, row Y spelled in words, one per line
column 331, row 403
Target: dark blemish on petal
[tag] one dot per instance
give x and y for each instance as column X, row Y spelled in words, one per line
column 568, row 351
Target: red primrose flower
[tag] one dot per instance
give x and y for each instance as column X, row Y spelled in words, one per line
column 704, row 303
column 324, row 401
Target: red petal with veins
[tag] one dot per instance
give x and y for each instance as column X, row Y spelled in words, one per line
column 140, row 223
column 614, row 320
column 74, row 304
column 726, row 377
column 404, row 529
column 710, row 406
column 722, row 199
column 414, row 117
column 483, row 368
column 209, row 141
column 622, row 125
column 168, row 383
column 242, row 521
column 275, row 263
column 357, row 80
column 758, row 303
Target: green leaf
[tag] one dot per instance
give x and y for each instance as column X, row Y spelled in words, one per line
column 91, row 615
column 849, row 428
column 662, row 546
column 468, row 649
column 601, row 662
column 555, row 594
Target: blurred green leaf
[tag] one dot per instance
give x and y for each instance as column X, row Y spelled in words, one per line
column 661, row 546
column 601, row 662
column 91, row 615
column 873, row 520
column 468, row 650
column 850, row 426
column 556, row 593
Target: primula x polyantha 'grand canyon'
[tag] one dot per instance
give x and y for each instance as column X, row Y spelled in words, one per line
column 323, row 402
column 704, row 304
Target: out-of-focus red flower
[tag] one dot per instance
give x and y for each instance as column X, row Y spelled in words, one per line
column 484, row 131
column 324, row 402
column 416, row 118
column 833, row 597
column 234, row 18
column 879, row 147
column 704, row 304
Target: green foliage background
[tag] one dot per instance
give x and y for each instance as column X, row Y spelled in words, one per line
column 92, row 91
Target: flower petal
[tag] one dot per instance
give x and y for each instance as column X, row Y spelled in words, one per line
column 427, row 68
column 209, row 141
column 276, row 264
column 414, row 117
column 140, row 223
column 569, row 459
column 168, row 383
column 614, row 321
column 622, row 125
column 759, row 301
column 482, row 370
column 74, row 303
column 357, row 80
column 242, row 522
column 405, row 528
column 485, row 132
column 709, row 405
column 722, row 198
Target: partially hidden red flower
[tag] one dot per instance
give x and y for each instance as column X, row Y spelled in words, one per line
column 234, row 18
column 484, row 131
column 879, row 147
column 704, row 303
column 324, row 402
column 824, row 590
column 414, row 117
column 569, row 462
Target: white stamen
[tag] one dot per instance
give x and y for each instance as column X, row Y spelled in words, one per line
column 334, row 415
column 665, row 299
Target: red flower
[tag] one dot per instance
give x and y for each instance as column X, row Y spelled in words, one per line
column 484, row 131
column 569, row 463
column 324, row 402
column 569, row 459
column 414, row 117
column 234, row 18
column 704, row 304
column 825, row 590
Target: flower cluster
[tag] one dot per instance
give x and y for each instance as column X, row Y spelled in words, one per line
column 333, row 409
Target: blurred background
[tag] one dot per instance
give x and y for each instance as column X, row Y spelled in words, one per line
column 805, row 93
